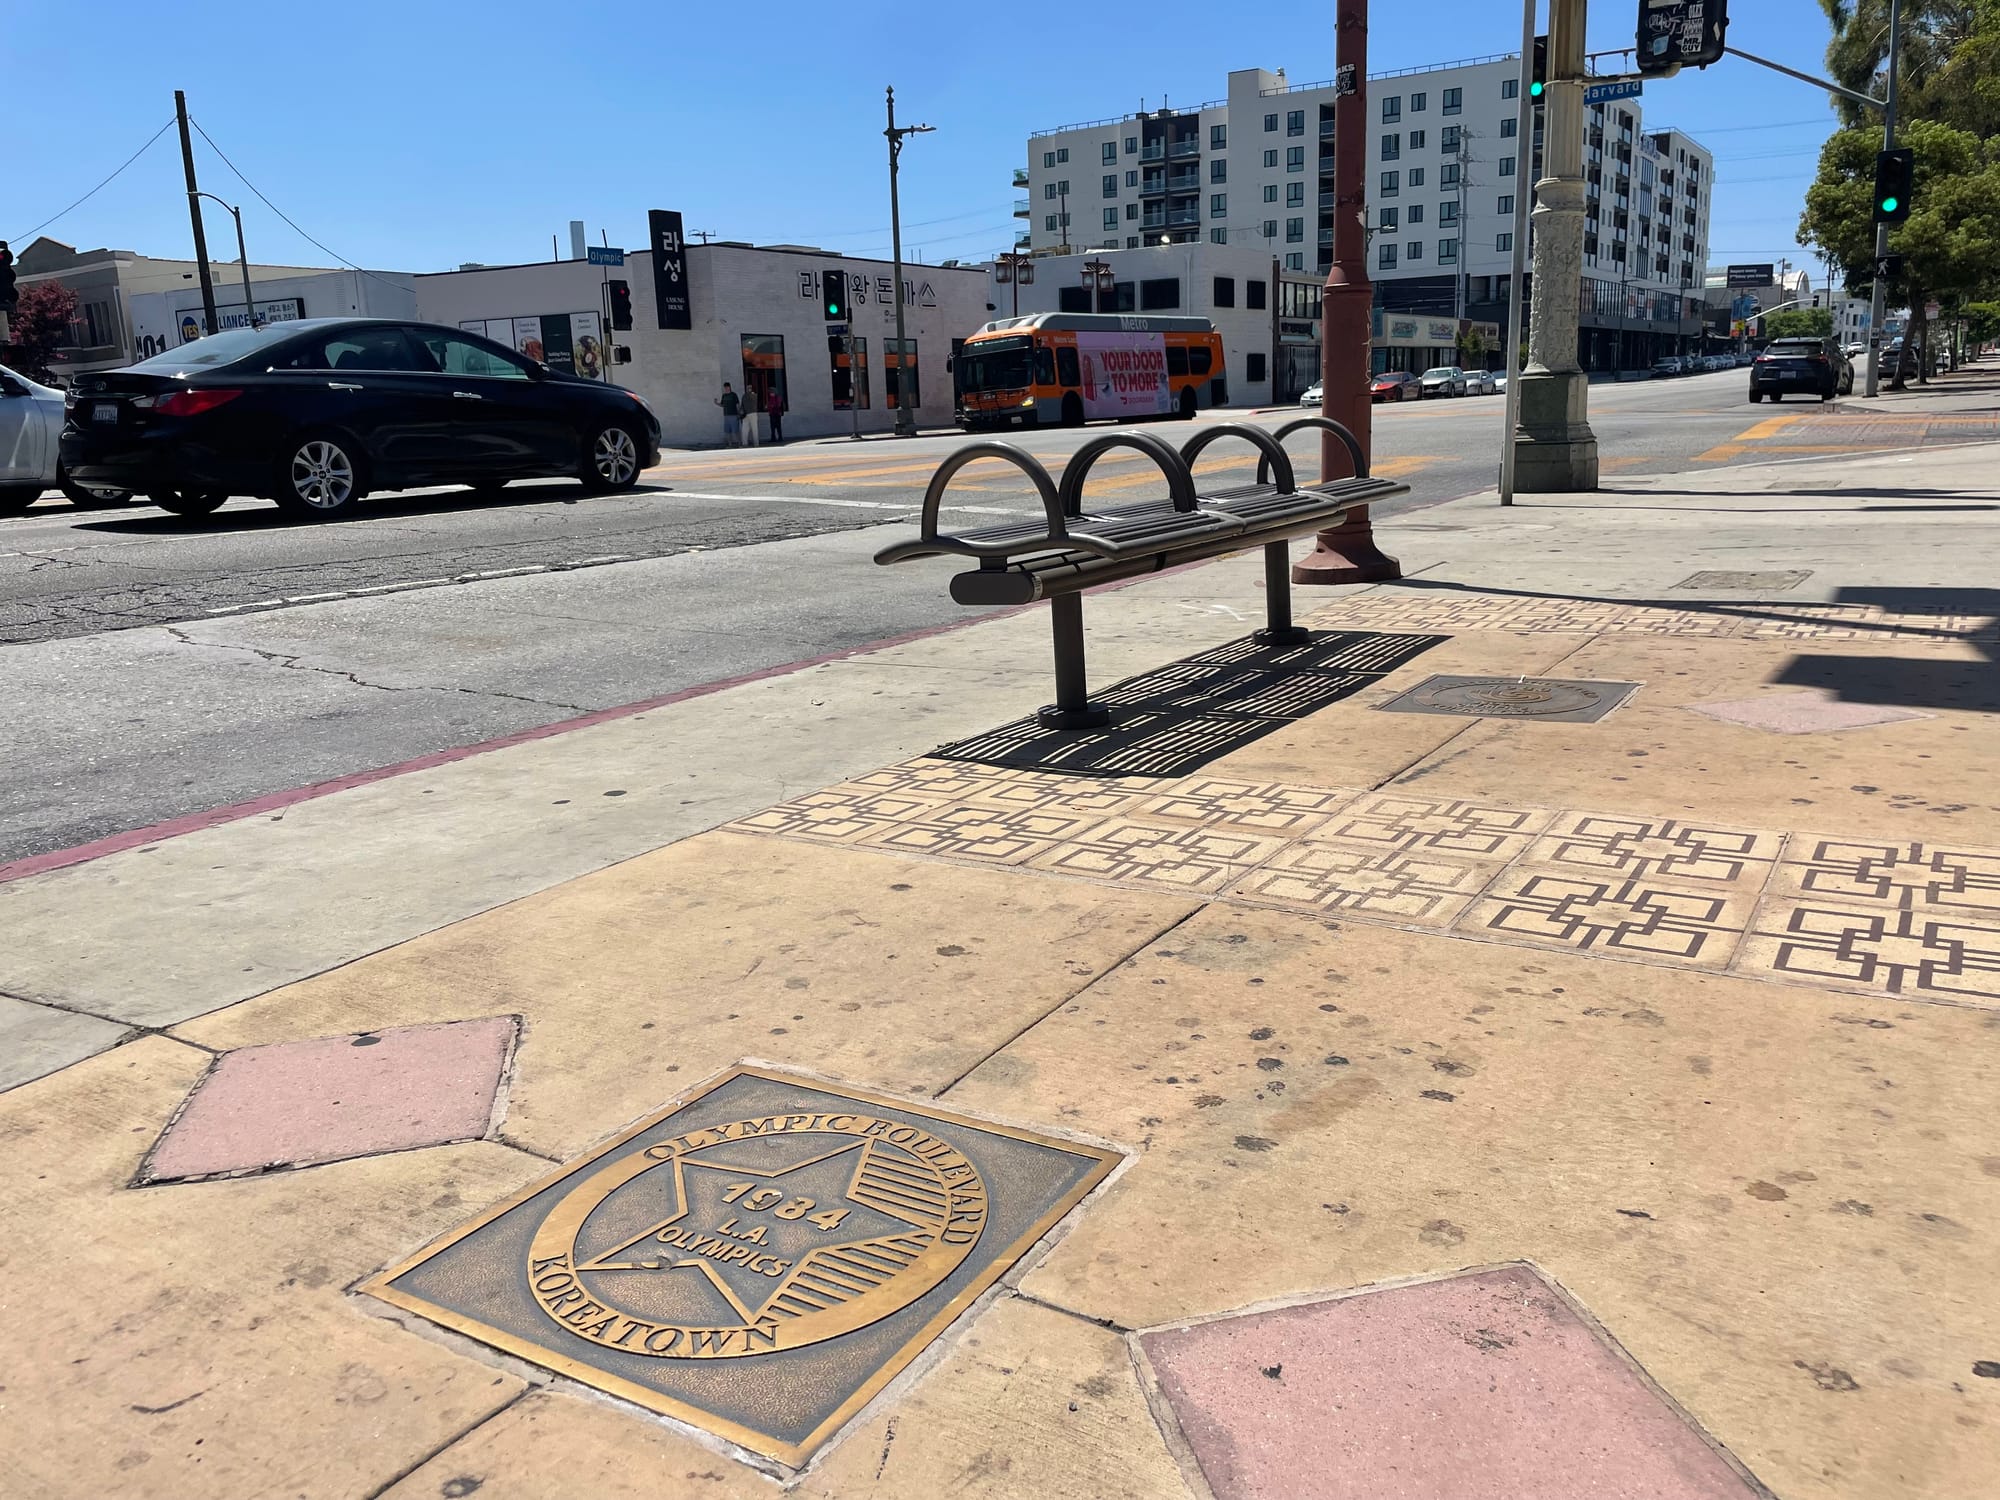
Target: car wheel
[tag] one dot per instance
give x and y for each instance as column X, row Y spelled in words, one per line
column 319, row 477
column 1755, row 397
column 1187, row 406
column 88, row 496
column 1072, row 411
column 188, row 502
column 611, row 459
column 15, row 498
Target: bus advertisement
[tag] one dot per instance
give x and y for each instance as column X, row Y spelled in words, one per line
column 1124, row 375
column 1064, row 369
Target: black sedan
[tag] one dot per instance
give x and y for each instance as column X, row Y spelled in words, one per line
column 315, row 413
column 1814, row 367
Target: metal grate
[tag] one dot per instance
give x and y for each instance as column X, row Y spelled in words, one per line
column 1746, row 583
column 1178, row 718
column 1551, row 700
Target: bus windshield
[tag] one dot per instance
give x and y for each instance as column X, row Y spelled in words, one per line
column 996, row 365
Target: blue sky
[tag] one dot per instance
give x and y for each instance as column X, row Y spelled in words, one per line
column 421, row 134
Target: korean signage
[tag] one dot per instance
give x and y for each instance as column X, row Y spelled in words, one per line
column 572, row 343
column 862, row 290
column 1681, row 33
column 1764, row 275
column 670, row 269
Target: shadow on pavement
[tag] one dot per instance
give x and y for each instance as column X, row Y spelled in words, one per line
column 1899, row 681
column 268, row 517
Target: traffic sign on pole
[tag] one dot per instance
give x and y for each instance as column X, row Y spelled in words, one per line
column 603, row 255
column 1623, row 88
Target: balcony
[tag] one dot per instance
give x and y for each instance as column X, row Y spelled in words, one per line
column 1184, row 216
column 1023, row 208
column 1326, row 236
column 1184, row 182
column 1326, row 128
column 1153, row 221
column 1328, row 200
column 1153, row 151
column 1153, row 186
column 1020, row 177
column 1188, row 146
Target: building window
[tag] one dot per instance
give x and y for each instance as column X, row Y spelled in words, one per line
column 1109, row 153
column 1417, row 139
column 1448, row 175
column 1073, row 299
column 1387, row 218
column 1454, row 101
column 1048, row 190
column 1418, row 103
column 1062, row 187
column 897, row 354
column 1448, row 252
column 1131, row 210
column 1295, row 262
column 1295, row 158
column 1270, row 192
column 764, row 371
column 1509, row 128
column 1218, row 170
column 1131, row 145
column 1295, row 122
column 1159, row 294
column 1505, row 204
column 1295, row 231
column 1416, row 213
column 1049, row 223
column 1385, row 258
column 1506, row 166
column 1510, row 88
column 1218, row 205
column 1448, row 212
column 1131, row 179
column 1503, row 242
column 846, row 385
column 1218, row 137
column 1449, row 138
column 1392, row 147
column 1131, row 242
column 1270, row 122
column 1111, row 217
column 1062, row 153
column 1270, row 158
column 1392, row 108
column 1253, row 295
column 1225, row 291
column 1416, row 177
column 1270, row 229
column 1111, row 184
column 1048, row 158
column 1414, row 250
column 1253, row 368
column 1218, row 236
column 1390, row 184
column 1295, row 195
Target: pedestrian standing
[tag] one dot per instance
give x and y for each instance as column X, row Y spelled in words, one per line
column 732, row 416
column 774, row 407
column 8, row 297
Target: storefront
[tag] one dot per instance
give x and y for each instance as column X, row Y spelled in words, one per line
column 1412, row 342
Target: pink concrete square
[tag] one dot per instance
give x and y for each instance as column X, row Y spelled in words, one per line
column 294, row 1104
column 1810, row 711
column 1482, row 1384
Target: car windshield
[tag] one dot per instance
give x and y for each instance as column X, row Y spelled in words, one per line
column 216, row 349
column 1000, row 365
column 1441, row 370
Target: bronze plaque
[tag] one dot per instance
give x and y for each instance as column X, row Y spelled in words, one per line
column 758, row 1260
column 1549, row 699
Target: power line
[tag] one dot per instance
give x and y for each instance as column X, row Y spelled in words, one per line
column 94, row 191
column 279, row 211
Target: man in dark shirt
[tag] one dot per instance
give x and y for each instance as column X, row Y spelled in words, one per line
column 732, row 420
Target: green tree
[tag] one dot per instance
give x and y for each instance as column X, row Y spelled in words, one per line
column 40, row 323
column 1982, row 322
column 1950, row 66
column 1799, row 323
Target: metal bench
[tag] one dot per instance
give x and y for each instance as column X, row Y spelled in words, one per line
column 1071, row 549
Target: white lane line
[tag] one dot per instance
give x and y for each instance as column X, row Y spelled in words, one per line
column 906, row 507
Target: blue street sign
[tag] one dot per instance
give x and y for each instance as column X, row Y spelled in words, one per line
column 599, row 255
column 1601, row 93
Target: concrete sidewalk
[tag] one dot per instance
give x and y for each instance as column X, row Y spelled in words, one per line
column 1505, row 1106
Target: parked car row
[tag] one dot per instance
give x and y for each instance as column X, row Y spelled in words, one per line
column 1403, row 385
column 1671, row 365
column 314, row 414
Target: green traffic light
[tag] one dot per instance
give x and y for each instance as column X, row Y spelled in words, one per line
column 1535, row 90
column 1890, row 205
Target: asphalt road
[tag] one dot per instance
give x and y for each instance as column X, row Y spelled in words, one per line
column 158, row 665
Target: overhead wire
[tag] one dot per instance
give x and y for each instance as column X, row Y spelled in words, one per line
column 106, row 183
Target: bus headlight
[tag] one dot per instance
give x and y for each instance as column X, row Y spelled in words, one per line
column 1028, row 401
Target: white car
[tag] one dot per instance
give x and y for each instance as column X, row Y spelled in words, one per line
column 31, row 419
column 1443, row 380
column 1312, row 395
column 1482, row 383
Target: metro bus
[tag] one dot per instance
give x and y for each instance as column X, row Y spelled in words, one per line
column 1064, row 369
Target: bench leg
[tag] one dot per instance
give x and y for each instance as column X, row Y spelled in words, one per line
column 1279, row 631
column 1072, row 708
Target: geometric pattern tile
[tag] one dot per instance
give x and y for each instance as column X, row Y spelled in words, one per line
column 983, row 835
column 1154, row 852
column 1812, row 711
column 1252, row 807
column 1923, row 953
column 1416, row 887
column 1484, row 1383
column 1645, row 847
column 330, row 1098
column 1845, row 871
column 1682, row 922
column 1463, row 830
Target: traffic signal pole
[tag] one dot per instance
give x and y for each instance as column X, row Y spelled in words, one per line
column 1878, row 303
column 1347, row 553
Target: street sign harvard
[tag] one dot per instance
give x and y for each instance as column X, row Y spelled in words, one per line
column 1603, row 93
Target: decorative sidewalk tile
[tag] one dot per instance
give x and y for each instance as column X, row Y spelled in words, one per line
column 759, row 1260
column 1419, row 889
column 1812, row 711
column 984, row 835
column 1462, row 830
column 1253, row 807
column 844, row 814
column 1847, row 872
column 1486, row 1383
column 294, row 1104
column 1171, row 856
column 1599, row 844
column 1642, row 917
column 1922, row 953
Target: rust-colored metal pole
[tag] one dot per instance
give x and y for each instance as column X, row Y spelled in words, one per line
column 1347, row 553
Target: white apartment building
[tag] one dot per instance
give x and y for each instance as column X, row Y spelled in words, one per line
column 1445, row 166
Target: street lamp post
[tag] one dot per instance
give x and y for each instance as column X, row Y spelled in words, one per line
column 906, row 421
column 1097, row 276
column 1018, row 270
column 242, row 259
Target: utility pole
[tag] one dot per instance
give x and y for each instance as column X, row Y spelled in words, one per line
column 194, row 213
column 1555, row 450
column 906, row 420
column 1878, row 307
column 1347, row 553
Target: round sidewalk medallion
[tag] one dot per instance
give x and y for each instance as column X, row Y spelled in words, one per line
column 756, row 1235
column 1507, row 697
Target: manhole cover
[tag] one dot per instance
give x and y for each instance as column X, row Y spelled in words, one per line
column 1746, row 583
column 759, row 1260
column 1548, row 698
